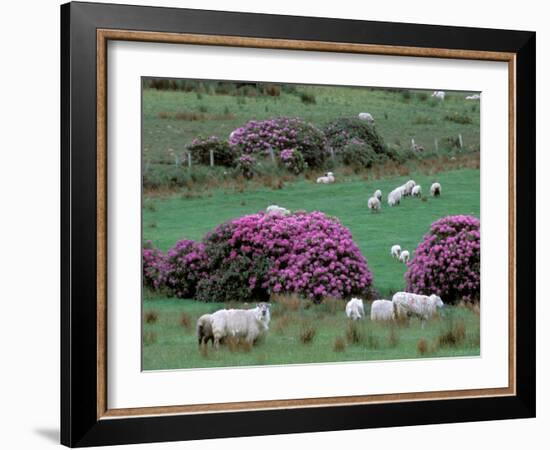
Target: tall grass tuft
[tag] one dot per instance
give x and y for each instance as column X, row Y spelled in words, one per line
column 354, row 333
column 307, row 333
column 151, row 317
column 339, row 345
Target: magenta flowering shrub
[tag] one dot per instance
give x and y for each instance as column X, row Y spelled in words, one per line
column 308, row 254
column 293, row 161
column 184, row 265
column 280, row 133
column 153, row 267
column 447, row 261
column 245, row 165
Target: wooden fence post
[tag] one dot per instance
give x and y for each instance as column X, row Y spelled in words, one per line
column 189, row 159
column 211, row 158
column 332, row 153
column 460, row 140
column 436, row 145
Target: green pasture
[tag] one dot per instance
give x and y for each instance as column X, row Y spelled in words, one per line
column 170, row 345
column 399, row 116
column 166, row 220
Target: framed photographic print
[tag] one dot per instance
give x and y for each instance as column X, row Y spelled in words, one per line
column 276, row 224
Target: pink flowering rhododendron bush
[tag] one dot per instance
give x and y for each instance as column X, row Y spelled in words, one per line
column 184, row 265
column 447, row 261
column 279, row 134
column 308, row 254
column 152, row 266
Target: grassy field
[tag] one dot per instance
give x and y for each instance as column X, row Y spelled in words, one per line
column 166, row 220
column 170, row 341
column 399, row 116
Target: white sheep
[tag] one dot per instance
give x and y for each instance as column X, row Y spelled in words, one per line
column 404, row 257
column 408, row 187
column 435, row 190
column 473, row 97
column 204, row 329
column 326, row 179
column 248, row 324
column 275, row 209
column 417, row 191
column 366, row 116
column 378, row 194
column 382, row 310
column 440, row 95
column 394, row 197
column 395, row 251
column 407, row 304
column 354, row 309
column 374, row 204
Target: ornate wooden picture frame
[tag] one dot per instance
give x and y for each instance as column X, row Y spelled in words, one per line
column 86, row 418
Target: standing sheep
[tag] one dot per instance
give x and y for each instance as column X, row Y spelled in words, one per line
column 204, row 329
column 417, row 191
column 382, row 310
column 354, row 309
column 274, row 209
column 394, row 197
column 435, row 190
column 248, row 324
column 374, row 204
column 405, row 256
column 326, row 179
column 395, row 251
column 407, row 304
column 408, row 187
column 440, row 95
column 366, row 116
column 378, row 194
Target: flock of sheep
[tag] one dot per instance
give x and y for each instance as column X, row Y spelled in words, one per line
column 251, row 324
column 402, row 306
column 410, row 188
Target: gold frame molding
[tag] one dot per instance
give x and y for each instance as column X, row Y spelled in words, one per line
column 105, row 35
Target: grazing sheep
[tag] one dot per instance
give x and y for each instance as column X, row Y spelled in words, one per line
column 417, row 191
column 378, row 194
column 404, row 257
column 275, row 209
column 374, row 204
column 366, row 116
column 408, row 187
column 204, row 329
column 382, row 310
column 354, row 309
column 326, row 179
column 394, row 197
column 473, row 97
column 248, row 324
column 435, row 189
column 407, row 304
column 395, row 251
column 440, row 95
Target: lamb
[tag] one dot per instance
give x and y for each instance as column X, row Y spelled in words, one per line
column 354, row 309
column 394, row 197
column 435, row 189
column 395, row 251
column 378, row 194
column 275, row 209
column 473, row 97
column 248, row 324
column 440, row 95
column 417, row 191
column 404, row 257
column 374, row 204
column 204, row 329
column 326, row 179
column 366, row 116
column 407, row 304
column 382, row 310
column 408, row 187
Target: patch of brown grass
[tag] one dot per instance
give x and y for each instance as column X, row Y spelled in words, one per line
column 354, row 333
column 193, row 116
column 333, row 305
column 186, row 321
column 454, row 335
column 339, row 345
column 282, row 323
column 287, row 302
column 393, row 338
column 235, row 344
column 307, row 333
column 151, row 317
column 422, row 346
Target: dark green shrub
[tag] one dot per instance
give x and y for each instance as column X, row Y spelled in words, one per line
column 307, row 98
column 456, row 117
column 358, row 154
column 224, row 154
column 341, row 131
